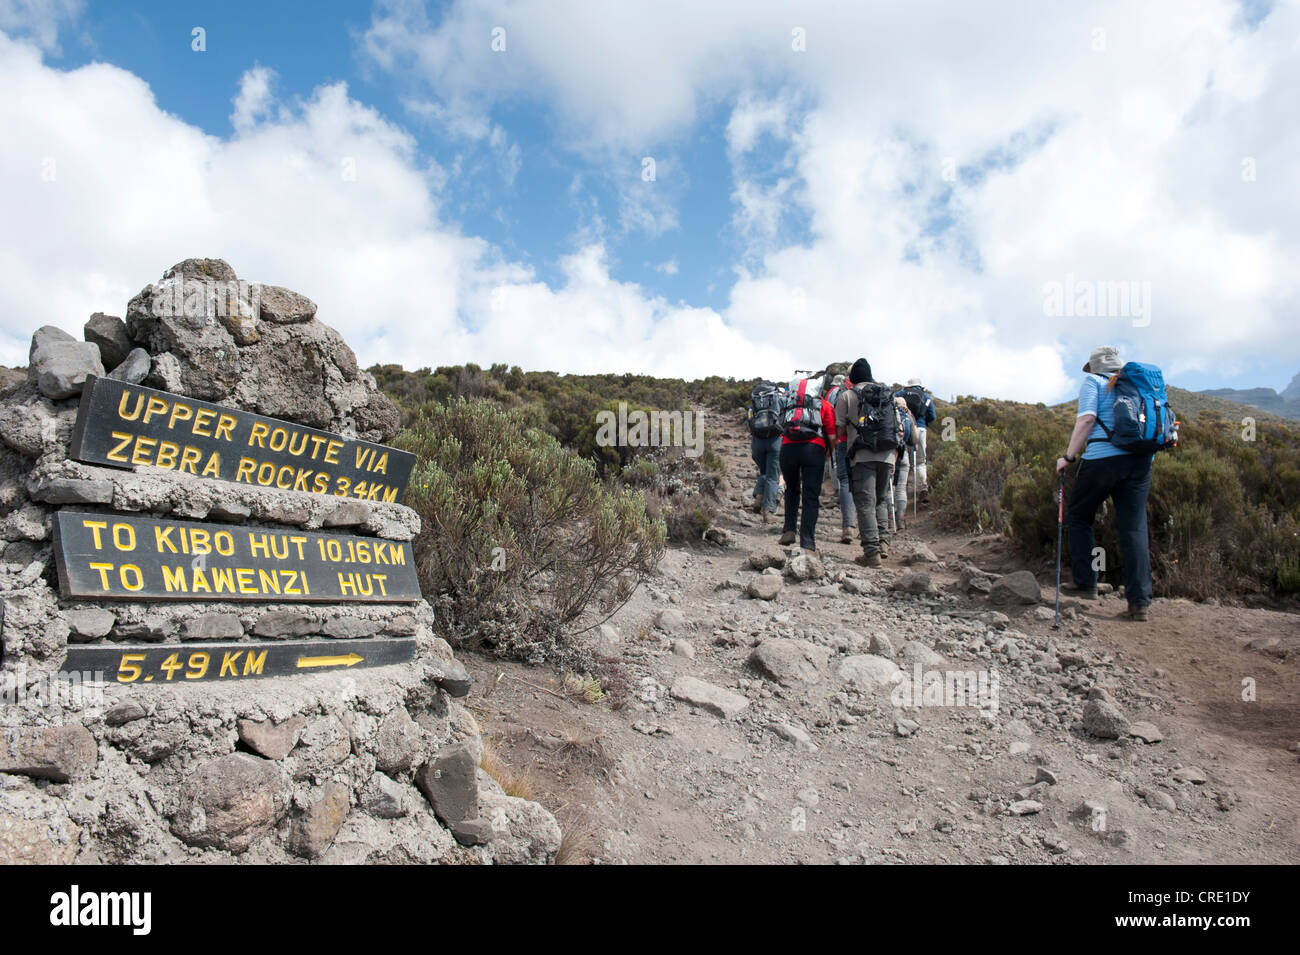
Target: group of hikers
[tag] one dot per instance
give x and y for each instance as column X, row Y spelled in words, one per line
column 872, row 436
column 875, row 440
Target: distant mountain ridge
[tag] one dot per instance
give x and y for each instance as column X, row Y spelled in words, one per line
column 1285, row 404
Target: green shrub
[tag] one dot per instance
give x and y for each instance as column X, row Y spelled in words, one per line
column 520, row 537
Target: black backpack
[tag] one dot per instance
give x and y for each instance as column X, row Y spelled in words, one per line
column 765, row 410
column 877, row 423
column 914, row 395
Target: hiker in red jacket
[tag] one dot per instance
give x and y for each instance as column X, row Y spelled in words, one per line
column 808, row 425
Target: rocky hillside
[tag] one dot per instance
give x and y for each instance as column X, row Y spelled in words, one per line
column 782, row 707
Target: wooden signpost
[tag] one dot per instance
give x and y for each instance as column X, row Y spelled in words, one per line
column 176, row 664
column 124, row 425
column 127, row 557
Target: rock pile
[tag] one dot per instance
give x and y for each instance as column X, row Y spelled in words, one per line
column 349, row 765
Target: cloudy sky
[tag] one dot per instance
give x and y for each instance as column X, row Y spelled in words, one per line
column 677, row 187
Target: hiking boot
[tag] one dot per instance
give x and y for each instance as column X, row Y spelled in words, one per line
column 1083, row 593
column 902, row 524
column 758, row 503
column 767, row 517
column 786, row 538
column 867, row 560
column 846, row 536
column 1137, row 614
column 884, row 552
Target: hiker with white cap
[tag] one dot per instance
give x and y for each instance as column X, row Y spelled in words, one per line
column 1106, row 470
column 921, row 405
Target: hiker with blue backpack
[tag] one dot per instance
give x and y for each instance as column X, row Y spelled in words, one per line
column 1123, row 419
column 766, row 402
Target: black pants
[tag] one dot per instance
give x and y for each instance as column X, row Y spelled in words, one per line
column 1125, row 479
column 804, row 466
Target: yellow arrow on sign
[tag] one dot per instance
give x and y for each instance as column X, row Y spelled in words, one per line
column 351, row 660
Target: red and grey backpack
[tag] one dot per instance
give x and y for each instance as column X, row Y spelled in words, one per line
column 801, row 420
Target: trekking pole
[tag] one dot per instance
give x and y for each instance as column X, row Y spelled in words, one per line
column 916, row 487
column 1060, row 525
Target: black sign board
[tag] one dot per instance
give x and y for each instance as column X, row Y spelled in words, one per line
column 126, row 557
column 172, row 663
column 124, row 425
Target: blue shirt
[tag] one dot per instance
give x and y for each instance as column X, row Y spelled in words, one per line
column 1096, row 399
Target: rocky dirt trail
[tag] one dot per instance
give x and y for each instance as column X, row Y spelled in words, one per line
column 768, row 730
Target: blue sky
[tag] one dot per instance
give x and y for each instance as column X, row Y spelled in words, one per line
column 903, row 186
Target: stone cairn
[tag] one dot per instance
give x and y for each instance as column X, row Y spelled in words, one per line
column 363, row 765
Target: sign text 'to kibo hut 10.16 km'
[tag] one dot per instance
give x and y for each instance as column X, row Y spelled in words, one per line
column 124, row 425
column 126, row 557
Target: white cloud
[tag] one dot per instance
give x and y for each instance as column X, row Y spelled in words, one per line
column 1108, row 140
column 1123, row 163
column 38, row 20
column 136, row 189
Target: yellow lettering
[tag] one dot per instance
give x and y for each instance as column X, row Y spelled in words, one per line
column 174, row 579
column 95, row 528
column 180, row 412
column 103, row 573
column 225, row 425
column 253, row 664
column 228, row 663
column 213, row 467
column 143, row 445
column 189, row 458
column 202, row 419
column 268, row 581
column 245, row 470
column 257, row 436
column 166, row 457
column 162, row 538
column 124, row 541
column 121, row 407
column 332, row 452
column 118, row 452
column 155, row 406
column 223, row 579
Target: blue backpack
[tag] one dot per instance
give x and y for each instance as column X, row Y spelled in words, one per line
column 1144, row 422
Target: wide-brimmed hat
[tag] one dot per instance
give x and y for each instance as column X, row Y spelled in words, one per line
column 1104, row 361
column 914, row 382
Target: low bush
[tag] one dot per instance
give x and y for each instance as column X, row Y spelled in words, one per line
column 521, row 539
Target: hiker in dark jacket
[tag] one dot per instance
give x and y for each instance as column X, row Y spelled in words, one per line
column 872, row 475
column 766, row 452
column 1106, row 471
column 803, row 465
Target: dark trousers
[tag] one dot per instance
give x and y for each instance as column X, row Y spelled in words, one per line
column 1125, row 479
column 804, row 466
column 766, row 453
column 872, row 488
